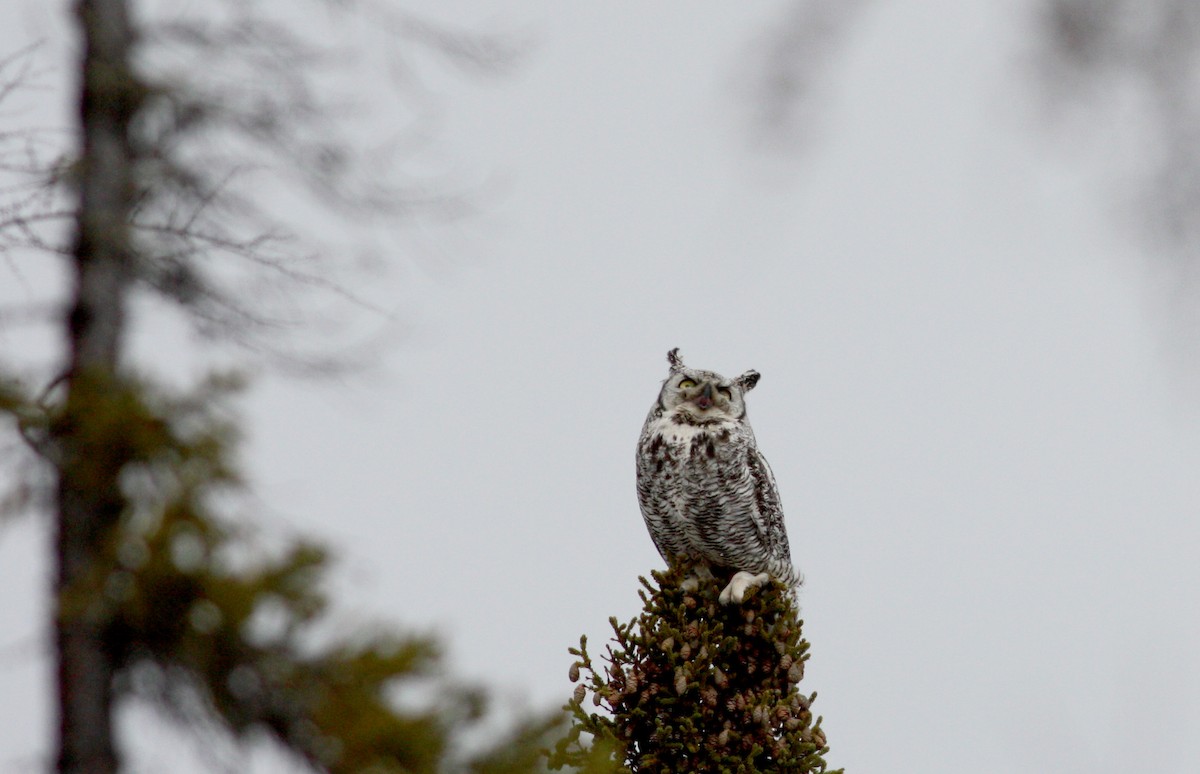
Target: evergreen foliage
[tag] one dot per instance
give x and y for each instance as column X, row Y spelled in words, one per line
column 691, row 685
column 190, row 618
column 159, row 592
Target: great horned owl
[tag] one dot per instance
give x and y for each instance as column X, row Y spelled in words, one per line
column 705, row 490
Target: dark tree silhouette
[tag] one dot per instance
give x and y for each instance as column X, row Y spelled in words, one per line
column 158, row 592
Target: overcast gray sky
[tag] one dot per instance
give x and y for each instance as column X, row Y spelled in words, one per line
column 987, row 460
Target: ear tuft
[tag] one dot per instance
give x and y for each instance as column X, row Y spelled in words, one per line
column 675, row 359
column 747, row 380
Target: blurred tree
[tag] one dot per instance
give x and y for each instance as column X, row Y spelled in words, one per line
column 1136, row 66
column 157, row 591
column 692, row 685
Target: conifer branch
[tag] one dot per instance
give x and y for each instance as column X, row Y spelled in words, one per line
column 692, row 685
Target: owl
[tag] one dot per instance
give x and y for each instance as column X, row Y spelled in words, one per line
column 705, row 491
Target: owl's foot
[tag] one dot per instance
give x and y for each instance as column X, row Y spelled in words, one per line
column 742, row 581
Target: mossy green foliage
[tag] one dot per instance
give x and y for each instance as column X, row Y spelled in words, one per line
column 190, row 609
column 694, row 686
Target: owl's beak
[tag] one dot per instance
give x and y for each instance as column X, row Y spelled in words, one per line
column 704, row 400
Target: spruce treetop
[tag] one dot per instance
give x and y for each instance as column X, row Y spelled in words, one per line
column 691, row 685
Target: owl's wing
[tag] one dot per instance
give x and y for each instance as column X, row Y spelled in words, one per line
column 768, row 516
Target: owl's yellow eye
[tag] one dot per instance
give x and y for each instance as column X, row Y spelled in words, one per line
column 686, row 383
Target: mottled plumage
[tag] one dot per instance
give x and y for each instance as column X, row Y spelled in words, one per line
column 705, row 490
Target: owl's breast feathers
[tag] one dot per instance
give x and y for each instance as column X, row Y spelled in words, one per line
column 705, row 491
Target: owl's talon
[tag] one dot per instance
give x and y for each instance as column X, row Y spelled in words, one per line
column 690, row 583
column 741, row 582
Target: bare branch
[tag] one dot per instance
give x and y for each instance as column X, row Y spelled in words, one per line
column 788, row 63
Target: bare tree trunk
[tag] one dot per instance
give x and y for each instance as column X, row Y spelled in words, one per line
column 88, row 496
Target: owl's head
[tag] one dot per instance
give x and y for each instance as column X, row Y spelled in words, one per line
column 705, row 394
